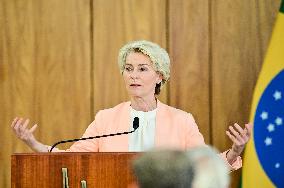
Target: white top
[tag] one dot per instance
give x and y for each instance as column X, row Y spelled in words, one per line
column 143, row 138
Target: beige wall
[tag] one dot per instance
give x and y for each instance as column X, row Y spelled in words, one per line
column 58, row 62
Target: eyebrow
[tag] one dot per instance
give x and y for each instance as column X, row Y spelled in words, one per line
column 138, row 64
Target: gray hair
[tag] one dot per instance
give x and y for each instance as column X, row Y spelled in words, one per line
column 209, row 168
column 164, row 169
column 159, row 56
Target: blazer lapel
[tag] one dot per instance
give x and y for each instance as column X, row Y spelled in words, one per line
column 124, row 122
column 120, row 124
column 161, row 128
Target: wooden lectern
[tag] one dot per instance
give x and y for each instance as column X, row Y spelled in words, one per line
column 39, row 170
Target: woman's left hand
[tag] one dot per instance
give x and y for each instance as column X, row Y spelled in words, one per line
column 240, row 137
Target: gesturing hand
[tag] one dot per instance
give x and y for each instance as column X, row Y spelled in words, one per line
column 20, row 128
column 240, row 137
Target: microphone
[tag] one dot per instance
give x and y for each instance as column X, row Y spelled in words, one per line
column 135, row 126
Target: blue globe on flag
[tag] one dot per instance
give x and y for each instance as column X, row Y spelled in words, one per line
column 269, row 130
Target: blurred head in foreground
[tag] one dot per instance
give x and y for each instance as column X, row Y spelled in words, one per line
column 199, row 167
column 210, row 171
column 164, row 169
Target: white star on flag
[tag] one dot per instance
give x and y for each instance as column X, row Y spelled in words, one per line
column 264, row 115
column 270, row 127
column 277, row 95
column 278, row 121
column 277, row 165
column 268, row 141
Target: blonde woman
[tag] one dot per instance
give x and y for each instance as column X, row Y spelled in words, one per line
column 145, row 67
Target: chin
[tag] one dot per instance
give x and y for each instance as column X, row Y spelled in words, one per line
column 134, row 94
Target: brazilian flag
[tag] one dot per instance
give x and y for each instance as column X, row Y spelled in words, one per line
column 264, row 155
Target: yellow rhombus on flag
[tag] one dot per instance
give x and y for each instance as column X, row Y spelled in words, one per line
column 264, row 155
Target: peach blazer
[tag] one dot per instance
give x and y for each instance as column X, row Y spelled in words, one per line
column 174, row 129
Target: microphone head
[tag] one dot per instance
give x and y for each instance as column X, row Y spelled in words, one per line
column 135, row 123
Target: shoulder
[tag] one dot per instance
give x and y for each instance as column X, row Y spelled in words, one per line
column 114, row 110
column 177, row 116
column 174, row 111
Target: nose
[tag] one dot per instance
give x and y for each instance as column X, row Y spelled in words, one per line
column 134, row 74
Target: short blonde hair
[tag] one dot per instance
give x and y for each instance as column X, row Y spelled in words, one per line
column 159, row 56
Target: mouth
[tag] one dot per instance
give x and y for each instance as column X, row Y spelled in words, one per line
column 135, row 85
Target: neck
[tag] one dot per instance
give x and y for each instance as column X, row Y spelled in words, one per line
column 142, row 104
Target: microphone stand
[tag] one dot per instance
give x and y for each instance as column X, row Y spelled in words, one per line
column 135, row 126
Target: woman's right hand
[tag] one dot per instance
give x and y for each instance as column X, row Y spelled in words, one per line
column 20, row 128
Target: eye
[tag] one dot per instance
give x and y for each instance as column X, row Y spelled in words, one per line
column 128, row 68
column 142, row 69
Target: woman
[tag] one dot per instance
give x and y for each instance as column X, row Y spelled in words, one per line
column 145, row 67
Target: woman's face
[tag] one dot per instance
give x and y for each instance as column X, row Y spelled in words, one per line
column 139, row 75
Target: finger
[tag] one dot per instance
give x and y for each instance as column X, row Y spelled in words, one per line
column 232, row 130
column 240, row 129
column 33, row 128
column 249, row 129
column 14, row 121
column 236, row 134
column 16, row 127
column 234, row 140
column 24, row 126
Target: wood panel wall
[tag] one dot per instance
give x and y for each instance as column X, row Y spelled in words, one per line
column 58, row 62
column 189, row 50
column 45, row 71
